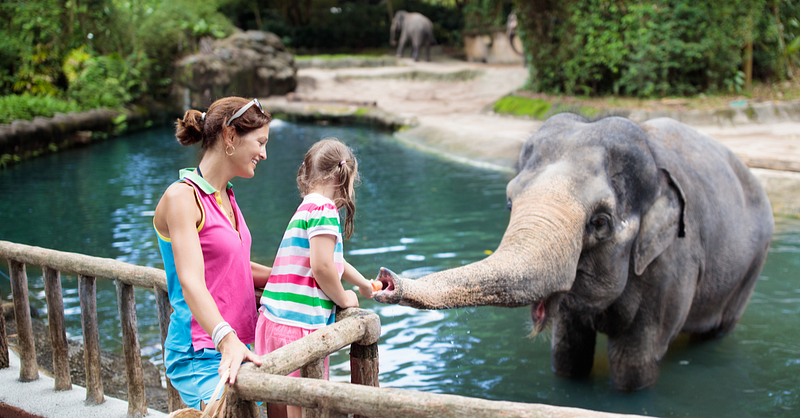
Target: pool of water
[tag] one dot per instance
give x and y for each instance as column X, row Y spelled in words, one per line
column 416, row 214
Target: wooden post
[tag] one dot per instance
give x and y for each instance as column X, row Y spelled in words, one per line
column 237, row 407
column 29, row 368
column 91, row 339
column 164, row 311
column 58, row 331
column 364, row 366
column 313, row 370
column 126, row 302
column 4, row 360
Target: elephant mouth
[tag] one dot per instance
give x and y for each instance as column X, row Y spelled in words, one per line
column 544, row 310
column 389, row 292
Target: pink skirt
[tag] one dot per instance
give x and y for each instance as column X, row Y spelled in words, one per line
column 271, row 336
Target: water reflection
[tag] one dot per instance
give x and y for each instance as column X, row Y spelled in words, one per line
column 416, row 215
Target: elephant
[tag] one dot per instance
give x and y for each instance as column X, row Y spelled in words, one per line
column 511, row 32
column 416, row 27
column 637, row 231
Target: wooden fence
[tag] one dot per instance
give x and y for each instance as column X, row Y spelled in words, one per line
column 319, row 398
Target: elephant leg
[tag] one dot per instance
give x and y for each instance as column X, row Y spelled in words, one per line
column 572, row 346
column 634, row 356
column 415, row 53
column 428, row 52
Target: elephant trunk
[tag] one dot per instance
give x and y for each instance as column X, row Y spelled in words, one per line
column 392, row 31
column 536, row 259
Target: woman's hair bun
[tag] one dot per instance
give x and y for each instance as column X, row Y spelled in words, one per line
column 189, row 131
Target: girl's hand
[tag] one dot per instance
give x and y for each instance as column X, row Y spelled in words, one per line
column 351, row 300
column 366, row 290
column 234, row 352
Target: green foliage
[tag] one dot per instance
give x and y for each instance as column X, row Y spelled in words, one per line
column 27, row 106
column 647, row 47
column 482, row 14
column 343, row 25
column 168, row 29
column 100, row 52
column 105, row 81
column 522, row 106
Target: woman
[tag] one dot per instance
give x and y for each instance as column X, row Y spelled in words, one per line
column 205, row 245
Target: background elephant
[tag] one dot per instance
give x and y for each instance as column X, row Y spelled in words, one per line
column 412, row 26
column 511, row 33
column 640, row 232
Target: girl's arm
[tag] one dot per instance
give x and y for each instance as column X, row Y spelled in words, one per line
column 188, row 255
column 325, row 273
column 260, row 274
column 352, row 276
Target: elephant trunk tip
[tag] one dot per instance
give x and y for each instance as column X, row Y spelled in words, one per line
column 391, row 291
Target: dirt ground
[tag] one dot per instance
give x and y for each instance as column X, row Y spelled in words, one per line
column 449, row 103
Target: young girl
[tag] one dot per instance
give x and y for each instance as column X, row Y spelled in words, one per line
column 304, row 287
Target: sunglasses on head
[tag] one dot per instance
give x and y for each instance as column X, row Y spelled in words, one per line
column 244, row 108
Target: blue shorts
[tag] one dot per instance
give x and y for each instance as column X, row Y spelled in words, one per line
column 194, row 374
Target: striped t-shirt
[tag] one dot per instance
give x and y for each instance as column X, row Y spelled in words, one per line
column 292, row 295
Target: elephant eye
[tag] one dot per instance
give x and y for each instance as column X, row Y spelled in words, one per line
column 508, row 204
column 599, row 221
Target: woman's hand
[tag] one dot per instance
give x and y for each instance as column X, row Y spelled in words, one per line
column 234, row 352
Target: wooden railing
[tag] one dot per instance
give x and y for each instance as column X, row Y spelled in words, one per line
column 320, row 398
column 88, row 269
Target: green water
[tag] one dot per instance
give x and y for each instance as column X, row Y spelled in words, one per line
column 416, row 214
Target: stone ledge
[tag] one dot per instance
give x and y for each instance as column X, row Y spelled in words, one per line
column 25, row 139
column 40, row 399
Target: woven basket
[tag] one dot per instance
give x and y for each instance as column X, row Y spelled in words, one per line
column 193, row 413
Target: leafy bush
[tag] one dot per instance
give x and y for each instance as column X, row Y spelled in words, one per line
column 105, row 81
column 647, row 47
column 27, row 106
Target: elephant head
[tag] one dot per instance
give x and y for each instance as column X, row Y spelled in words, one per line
column 397, row 24
column 588, row 204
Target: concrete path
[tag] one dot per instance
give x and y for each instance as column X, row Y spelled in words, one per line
column 38, row 398
column 450, row 102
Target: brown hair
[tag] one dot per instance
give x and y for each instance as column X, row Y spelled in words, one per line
column 193, row 128
column 324, row 161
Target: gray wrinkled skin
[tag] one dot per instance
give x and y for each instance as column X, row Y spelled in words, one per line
column 414, row 27
column 640, row 232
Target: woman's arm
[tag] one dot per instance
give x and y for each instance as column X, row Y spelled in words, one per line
column 182, row 229
column 325, row 273
column 260, row 274
column 352, row 276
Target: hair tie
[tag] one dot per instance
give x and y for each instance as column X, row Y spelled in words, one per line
column 203, row 117
column 343, row 162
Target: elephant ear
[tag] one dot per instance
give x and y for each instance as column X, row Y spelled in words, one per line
column 661, row 224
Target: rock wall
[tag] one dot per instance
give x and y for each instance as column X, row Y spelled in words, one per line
column 246, row 64
column 492, row 47
column 22, row 138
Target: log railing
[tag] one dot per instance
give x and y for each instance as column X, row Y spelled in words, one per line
column 320, row 398
column 357, row 327
column 88, row 269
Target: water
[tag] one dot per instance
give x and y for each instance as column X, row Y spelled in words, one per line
column 416, row 214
